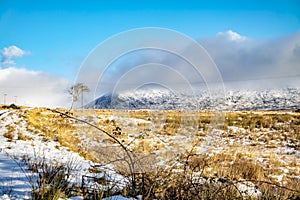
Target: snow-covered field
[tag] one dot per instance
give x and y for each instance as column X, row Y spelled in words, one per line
column 16, row 181
column 269, row 139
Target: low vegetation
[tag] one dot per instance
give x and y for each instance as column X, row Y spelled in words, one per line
column 168, row 154
column 11, row 106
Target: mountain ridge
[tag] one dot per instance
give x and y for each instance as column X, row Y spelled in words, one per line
column 162, row 99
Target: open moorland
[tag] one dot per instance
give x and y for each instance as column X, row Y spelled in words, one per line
column 158, row 154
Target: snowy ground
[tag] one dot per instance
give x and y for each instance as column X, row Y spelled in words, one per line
column 260, row 144
column 14, row 174
column 13, row 181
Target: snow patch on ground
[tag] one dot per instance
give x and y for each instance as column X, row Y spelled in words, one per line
column 14, row 173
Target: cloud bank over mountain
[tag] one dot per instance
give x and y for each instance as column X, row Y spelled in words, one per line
column 246, row 61
column 243, row 62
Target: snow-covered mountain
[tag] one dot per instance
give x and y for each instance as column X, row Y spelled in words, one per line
column 163, row 99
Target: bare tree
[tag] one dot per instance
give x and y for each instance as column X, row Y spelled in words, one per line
column 76, row 91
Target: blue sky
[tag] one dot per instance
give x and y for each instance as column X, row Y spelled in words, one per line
column 57, row 35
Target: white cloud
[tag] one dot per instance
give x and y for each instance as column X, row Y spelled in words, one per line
column 33, row 88
column 231, row 35
column 243, row 62
column 10, row 53
column 259, row 63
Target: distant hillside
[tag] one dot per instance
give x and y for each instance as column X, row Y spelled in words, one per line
column 162, row 99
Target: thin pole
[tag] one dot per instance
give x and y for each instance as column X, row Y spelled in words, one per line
column 4, row 99
column 82, row 97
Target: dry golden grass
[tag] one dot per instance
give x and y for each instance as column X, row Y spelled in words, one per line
column 266, row 129
column 156, row 131
column 52, row 126
column 246, row 149
column 9, row 134
column 147, row 146
column 24, row 137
